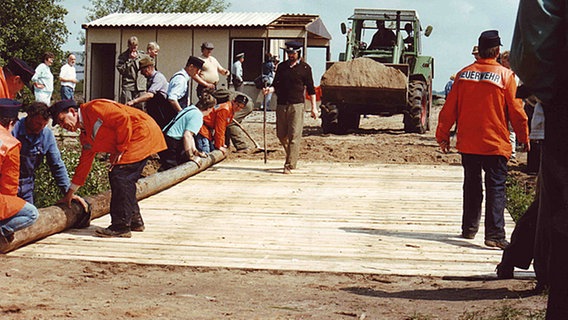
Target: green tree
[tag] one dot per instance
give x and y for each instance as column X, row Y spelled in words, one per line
column 30, row 28
column 101, row 8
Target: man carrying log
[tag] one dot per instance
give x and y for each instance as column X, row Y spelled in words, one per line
column 130, row 136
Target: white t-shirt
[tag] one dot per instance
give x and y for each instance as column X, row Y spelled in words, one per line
column 68, row 72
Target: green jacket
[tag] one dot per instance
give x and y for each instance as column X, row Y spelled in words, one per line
column 539, row 50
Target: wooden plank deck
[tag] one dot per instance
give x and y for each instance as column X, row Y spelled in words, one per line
column 362, row 218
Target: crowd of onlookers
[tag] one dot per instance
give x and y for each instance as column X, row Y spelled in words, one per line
column 153, row 119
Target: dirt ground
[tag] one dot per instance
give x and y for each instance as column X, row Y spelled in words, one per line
column 56, row 289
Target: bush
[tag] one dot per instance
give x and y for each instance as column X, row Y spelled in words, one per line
column 519, row 197
column 46, row 192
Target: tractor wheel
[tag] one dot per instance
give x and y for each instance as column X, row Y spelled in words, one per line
column 337, row 120
column 417, row 115
column 347, row 122
column 328, row 118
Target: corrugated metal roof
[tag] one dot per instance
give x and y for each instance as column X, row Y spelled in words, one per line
column 222, row 19
column 389, row 14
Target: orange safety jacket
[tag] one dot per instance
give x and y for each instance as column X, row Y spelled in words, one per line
column 482, row 101
column 109, row 126
column 10, row 204
column 4, row 93
column 216, row 122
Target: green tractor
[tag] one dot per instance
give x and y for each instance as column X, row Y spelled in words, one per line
column 393, row 39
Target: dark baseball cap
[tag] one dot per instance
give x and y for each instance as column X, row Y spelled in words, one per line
column 293, row 46
column 9, row 108
column 197, row 62
column 19, row 67
column 59, row 107
column 241, row 99
column 489, row 39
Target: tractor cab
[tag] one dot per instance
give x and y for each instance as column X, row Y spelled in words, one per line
column 387, row 36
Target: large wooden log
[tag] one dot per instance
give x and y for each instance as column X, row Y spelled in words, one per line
column 57, row 218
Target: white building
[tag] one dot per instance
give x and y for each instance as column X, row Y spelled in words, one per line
column 181, row 35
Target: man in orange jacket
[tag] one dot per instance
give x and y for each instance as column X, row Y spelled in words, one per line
column 482, row 101
column 130, row 136
column 212, row 135
column 13, row 77
column 15, row 213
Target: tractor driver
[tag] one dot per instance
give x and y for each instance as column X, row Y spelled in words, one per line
column 383, row 37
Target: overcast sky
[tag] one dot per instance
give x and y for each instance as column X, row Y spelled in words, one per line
column 457, row 24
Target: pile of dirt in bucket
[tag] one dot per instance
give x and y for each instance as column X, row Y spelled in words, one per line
column 363, row 72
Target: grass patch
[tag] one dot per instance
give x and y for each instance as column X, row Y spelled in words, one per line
column 46, row 191
column 519, row 197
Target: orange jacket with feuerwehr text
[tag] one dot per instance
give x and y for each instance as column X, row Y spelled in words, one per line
column 216, row 122
column 482, row 102
column 109, row 126
column 10, row 204
column 4, row 93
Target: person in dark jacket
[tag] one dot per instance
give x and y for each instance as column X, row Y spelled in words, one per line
column 293, row 76
column 538, row 57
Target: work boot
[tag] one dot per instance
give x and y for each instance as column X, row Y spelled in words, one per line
column 501, row 244
column 504, row 271
column 136, row 223
column 109, row 233
column 467, row 235
column 137, row 227
column 5, row 240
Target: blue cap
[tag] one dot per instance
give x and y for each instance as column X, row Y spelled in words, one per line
column 9, row 108
column 293, row 46
column 59, row 107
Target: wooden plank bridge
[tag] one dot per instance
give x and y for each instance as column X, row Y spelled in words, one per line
column 326, row 217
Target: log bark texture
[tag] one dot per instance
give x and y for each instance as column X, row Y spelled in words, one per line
column 59, row 217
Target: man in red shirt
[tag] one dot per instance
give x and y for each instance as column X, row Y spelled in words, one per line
column 482, row 101
column 212, row 135
column 15, row 213
column 130, row 136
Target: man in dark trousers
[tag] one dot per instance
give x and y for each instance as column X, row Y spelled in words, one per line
column 538, row 56
column 130, row 135
column 293, row 76
column 482, row 101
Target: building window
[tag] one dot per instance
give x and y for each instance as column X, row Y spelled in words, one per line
column 254, row 56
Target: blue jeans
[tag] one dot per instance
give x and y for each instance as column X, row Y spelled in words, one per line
column 124, row 209
column 495, row 168
column 203, row 144
column 67, row 93
column 24, row 218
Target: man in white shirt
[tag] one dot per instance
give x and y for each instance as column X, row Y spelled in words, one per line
column 208, row 76
column 68, row 78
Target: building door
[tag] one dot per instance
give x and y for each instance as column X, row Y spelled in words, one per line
column 254, row 56
column 102, row 71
